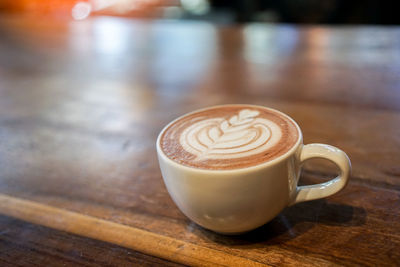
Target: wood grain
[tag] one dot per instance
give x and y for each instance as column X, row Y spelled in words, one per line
column 80, row 113
column 25, row 244
column 136, row 239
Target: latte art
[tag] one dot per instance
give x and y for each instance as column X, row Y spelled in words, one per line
column 241, row 135
column 228, row 137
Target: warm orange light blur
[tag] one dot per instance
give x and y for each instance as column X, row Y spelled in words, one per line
column 59, row 8
column 80, row 9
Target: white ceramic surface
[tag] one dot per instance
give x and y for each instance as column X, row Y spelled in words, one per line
column 239, row 200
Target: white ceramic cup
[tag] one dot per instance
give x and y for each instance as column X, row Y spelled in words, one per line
column 239, row 200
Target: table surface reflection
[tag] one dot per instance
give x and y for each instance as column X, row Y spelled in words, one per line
column 82, row 102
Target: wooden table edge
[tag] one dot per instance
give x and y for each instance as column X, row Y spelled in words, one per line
column 123, row 235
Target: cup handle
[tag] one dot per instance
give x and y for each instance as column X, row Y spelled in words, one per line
column 322, row 190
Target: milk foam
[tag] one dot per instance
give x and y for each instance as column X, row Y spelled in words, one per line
column 242, row 135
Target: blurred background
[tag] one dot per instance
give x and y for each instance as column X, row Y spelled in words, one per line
column 217, row 11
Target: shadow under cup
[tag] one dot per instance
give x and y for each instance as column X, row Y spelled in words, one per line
column 232, row 201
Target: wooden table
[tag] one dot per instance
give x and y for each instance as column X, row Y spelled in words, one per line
column 81, row 105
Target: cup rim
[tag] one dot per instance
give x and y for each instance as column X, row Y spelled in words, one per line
column 262, row 165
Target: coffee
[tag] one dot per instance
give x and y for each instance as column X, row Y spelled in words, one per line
column 229, row 137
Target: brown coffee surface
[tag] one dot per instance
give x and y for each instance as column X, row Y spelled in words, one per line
column 228, row 137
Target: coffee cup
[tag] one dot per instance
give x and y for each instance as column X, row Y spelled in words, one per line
column 233, row 168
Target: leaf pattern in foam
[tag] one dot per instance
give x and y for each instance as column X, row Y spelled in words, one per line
column 237, row 131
